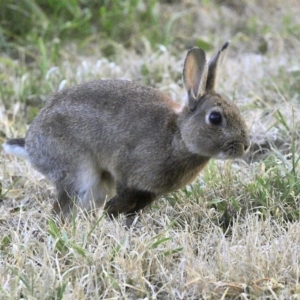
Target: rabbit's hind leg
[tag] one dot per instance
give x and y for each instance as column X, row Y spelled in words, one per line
column 67, row 192
column 64, row 203
column 86, row 187
column 94, row 187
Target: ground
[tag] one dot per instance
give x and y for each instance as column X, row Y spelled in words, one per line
column 232, row 234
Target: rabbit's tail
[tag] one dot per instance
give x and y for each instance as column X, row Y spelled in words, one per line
column 16, row 147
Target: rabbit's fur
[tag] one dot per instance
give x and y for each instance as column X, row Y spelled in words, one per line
column 128, row 143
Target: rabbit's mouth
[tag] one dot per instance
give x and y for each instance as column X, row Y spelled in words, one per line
column 234, row 149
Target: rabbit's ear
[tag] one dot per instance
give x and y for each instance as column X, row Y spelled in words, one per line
column 213, row 66
column 195, row 74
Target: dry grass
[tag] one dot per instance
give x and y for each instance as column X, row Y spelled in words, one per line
column 233, row 234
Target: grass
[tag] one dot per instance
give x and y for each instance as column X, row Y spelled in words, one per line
column 24, row 25
column 232, row 234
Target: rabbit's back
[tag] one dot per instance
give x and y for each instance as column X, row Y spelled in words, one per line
column 106, row 113
column 111, row 95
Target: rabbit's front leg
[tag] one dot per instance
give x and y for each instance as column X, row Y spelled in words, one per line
column 128, row 201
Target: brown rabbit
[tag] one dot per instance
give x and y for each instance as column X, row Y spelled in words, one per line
column 118, row 140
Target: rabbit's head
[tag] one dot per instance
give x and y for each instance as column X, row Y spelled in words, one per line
column 211, row 125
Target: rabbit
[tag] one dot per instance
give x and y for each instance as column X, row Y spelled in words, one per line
column 127, row 143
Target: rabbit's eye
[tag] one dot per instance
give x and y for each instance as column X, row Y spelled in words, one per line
column 215, row 118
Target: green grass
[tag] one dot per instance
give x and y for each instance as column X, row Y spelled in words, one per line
column 27, row 23
column 232, row 234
